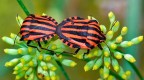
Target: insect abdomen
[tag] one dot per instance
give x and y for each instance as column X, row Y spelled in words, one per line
column 38, row 28
column 78, row 32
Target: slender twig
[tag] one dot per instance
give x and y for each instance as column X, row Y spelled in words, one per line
column 116, row 75
column 63, row 70
column 136, row 70
column 23, row 7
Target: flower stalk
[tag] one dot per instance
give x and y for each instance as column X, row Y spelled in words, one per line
column 23, row 7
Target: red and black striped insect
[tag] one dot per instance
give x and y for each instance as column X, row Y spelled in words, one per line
column 37, row 28
column 77, row 32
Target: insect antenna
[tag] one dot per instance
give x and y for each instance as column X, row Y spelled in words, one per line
column 113, row 25
column 18, row 32
column 15, row 38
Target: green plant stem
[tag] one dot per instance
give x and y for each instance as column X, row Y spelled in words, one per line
column 63, row 70
column 116, row 75
column 23, row 7
column 136, row 70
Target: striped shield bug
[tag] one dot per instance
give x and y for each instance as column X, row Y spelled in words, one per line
column 77, row 32
column 37, row 28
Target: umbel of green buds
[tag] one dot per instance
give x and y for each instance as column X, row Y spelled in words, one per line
column 107, row 59
column 33, row 64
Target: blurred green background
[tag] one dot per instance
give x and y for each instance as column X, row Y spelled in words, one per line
column 128, row 12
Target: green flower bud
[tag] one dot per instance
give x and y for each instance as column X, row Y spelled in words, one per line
column 39, row 70
column 103, row 28
column 47, row 78
column 129, row 58
column 32, row 50
column 118, row 55
column 124, row 30
column 97, row 52
column 40, row 57
column 44, row 14
column 25, row 67
column 110, row 77
column 119, row 39
column 33, row 63
column 20, row 75
column 47, row 57
column 26, row 58
column 137, row 40
column 17, row 71
column 43, row 65
column 101, row 71
column 109, row 35
column 97, row 64
column 11, row 51
column 115, row 65
column 113, row 46
column 46, row 75
column 116, row 27
column 42, row 75
column 111, row 17
column 51, row 66
column 22, row 50
column 59, row 45
column 90, row 55
column 126, row 43
column 31, row 77
column 12, row 62
column 89, row 17
column 53, row 47
column 19, row 20
column 67, row 62
column 52, row 75
column 128, row 73
column 106, row 52
column 57, row 57
column 106, row 72
column 79, row 56
column 8, row 40
column 89, row 65
column 18, row 66
column 122, row 73
column 107, row 62
column 28, row 72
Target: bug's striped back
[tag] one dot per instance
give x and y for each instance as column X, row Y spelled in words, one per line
column 38, row 28
column 78, row 32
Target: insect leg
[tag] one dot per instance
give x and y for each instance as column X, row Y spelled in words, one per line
column 100, row 46
column 44, row 48
column 77, row 50
column 86, row 53
column 28, row 44
column 45, row 42
column 41, row 46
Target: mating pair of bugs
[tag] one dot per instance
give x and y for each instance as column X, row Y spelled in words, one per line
column 76, row 32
